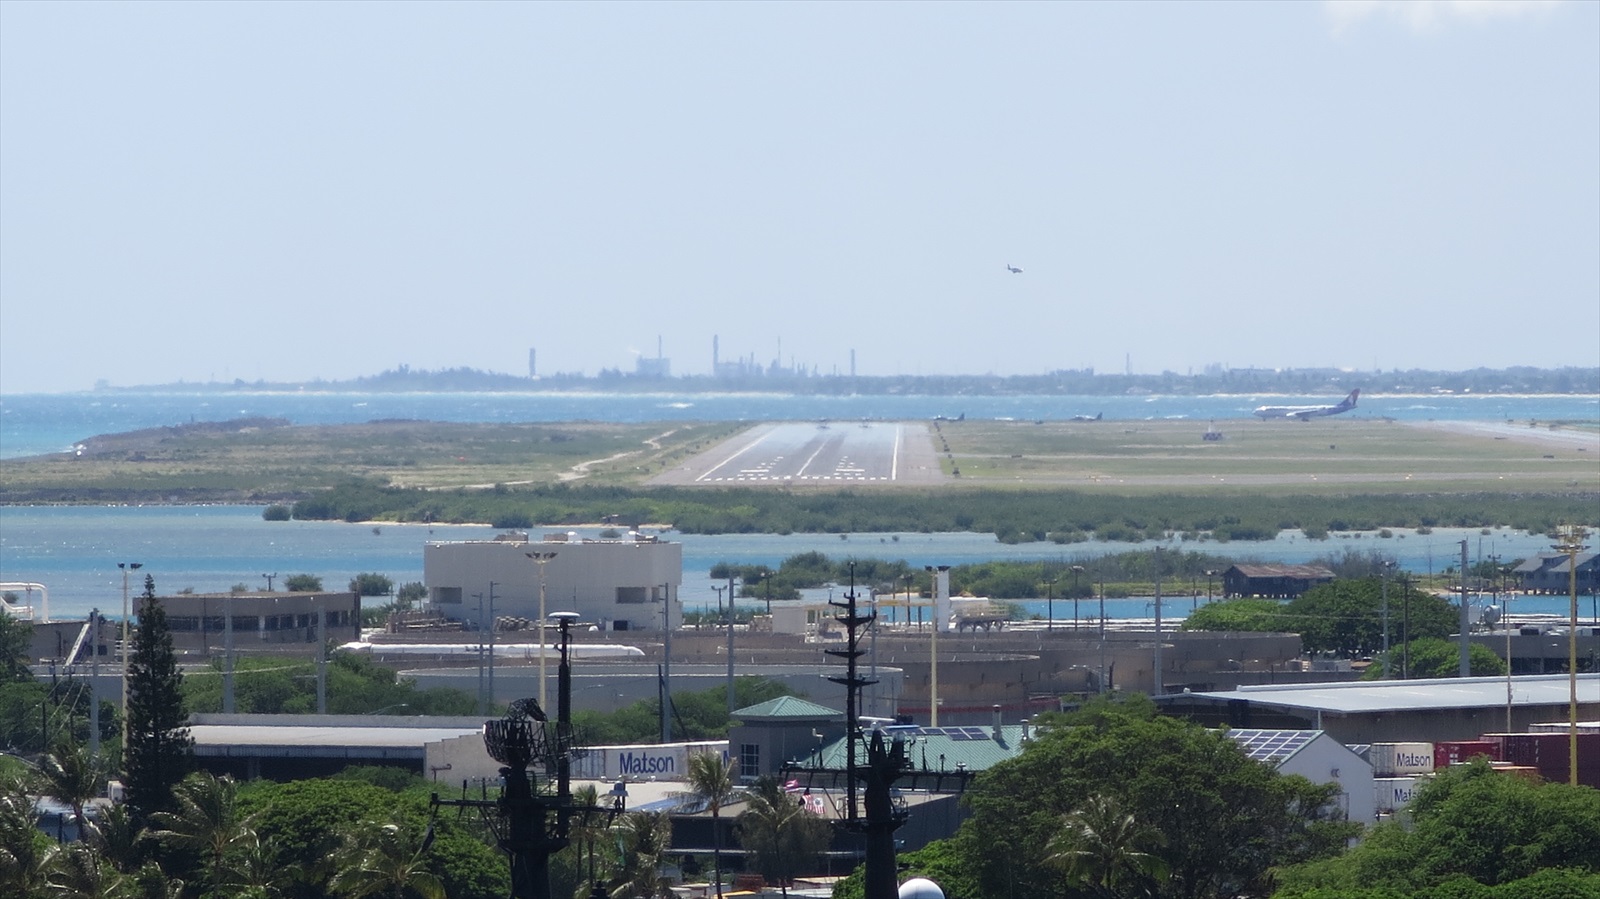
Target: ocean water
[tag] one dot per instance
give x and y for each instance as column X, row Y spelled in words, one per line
column 74, row 550
column 31, row 424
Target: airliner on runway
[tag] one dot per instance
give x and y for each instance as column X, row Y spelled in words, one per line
column 1306, row 413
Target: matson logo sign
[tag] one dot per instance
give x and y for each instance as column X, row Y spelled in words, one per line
column 649, row 762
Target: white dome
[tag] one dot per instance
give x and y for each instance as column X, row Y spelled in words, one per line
column 920, row 888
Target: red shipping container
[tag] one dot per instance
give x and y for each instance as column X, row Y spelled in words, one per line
column 1456, row 752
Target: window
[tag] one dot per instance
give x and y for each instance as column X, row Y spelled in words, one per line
column 447, row 595
column 632, row 595
column 749, row 760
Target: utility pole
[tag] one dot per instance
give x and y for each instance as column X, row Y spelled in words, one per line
column 492, row 585
column 126, row 567
column 666, row 671
column 1385, row 566
column 541, row 559
column 1159, row 686
column 1570, row 541
column 1466, row 618
column 731, row 595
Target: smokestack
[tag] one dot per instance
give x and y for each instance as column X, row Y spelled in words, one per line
column 533, row 371
column 715, row 352
column 852, row 363
column 997, row 722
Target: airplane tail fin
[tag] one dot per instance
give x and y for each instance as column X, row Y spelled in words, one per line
column 1099, row 415
column 1350, row 401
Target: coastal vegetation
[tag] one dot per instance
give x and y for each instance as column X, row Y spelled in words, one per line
column 1041, row 514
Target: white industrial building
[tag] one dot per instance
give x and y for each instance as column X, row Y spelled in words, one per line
column 624, row 584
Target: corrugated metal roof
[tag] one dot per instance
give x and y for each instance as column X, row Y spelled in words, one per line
column 1312, row 572
column 249, row 739
column 941, row 748
column 1415, row 695
column 792, row 707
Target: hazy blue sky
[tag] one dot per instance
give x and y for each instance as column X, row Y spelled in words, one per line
column 296, row 190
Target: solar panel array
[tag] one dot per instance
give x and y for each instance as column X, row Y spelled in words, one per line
column 954, row 733
column 1267, row 745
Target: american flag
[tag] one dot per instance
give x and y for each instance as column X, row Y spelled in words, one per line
column 792, row 786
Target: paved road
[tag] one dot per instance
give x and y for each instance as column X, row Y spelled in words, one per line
column 815, row 454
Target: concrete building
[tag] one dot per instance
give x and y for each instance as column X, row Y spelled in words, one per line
column 621, row 584
column 281, row 622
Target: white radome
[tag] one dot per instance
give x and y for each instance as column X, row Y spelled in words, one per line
column 920, row 888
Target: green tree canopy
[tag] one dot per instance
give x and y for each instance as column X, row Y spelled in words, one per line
column 1344, row 617
column 302, row 583
column 370, row 583
column 1433, row 657
column 1470, row 828
column 16, row 637
column 1222, row 821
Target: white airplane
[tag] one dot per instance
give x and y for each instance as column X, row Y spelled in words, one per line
column 1095, row 417
column 1013, row 269
column 1306, row 413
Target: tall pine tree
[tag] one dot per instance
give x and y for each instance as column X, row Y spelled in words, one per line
column 159, row 748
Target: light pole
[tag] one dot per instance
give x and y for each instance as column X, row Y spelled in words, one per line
column 731, row 595
column 270, row 578
column 1569, row 540
column 126, row 567
column 1385, row 566
column 1159, row 686
column 1210, row 573
column 1050, row 603
column 1076, row 570
column 541, row 559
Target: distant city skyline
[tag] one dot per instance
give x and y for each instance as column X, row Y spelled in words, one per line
column 288, row 192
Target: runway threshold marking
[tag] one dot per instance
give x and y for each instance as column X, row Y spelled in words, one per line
column 736, row 454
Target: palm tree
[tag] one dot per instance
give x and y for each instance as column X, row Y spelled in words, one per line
column 26, row 854
column 207, row 821
column 588, row 829
column 643, row 840
column 780, row 834
column 257, row 872
column 386, row 860
column 81, row 870
column 710, row 780
column 71, row 775
column 1102, row 848
column 119, row 838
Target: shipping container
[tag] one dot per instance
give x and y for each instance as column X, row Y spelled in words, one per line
column 1401, row 759
column 1392, row 793
column 1456, row 752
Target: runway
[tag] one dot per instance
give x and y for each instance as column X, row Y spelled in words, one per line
column 815, row 454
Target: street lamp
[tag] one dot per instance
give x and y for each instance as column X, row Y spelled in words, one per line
column 1386, row 567
column 270, row 578
column 1569, row 540
column 1076, row 570
column 541, row 559
column 1050, row 603
column 126, row 567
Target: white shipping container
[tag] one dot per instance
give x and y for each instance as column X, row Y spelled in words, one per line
column 1401, row 759
column 1392, row 793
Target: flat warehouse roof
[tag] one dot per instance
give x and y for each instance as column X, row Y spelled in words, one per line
column 333, row 739
column 1415, row 695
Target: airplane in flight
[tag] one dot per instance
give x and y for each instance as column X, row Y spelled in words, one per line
column 1306, row 413
column 1013, row 269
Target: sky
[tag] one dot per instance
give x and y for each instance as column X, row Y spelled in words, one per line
column 292, row 191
